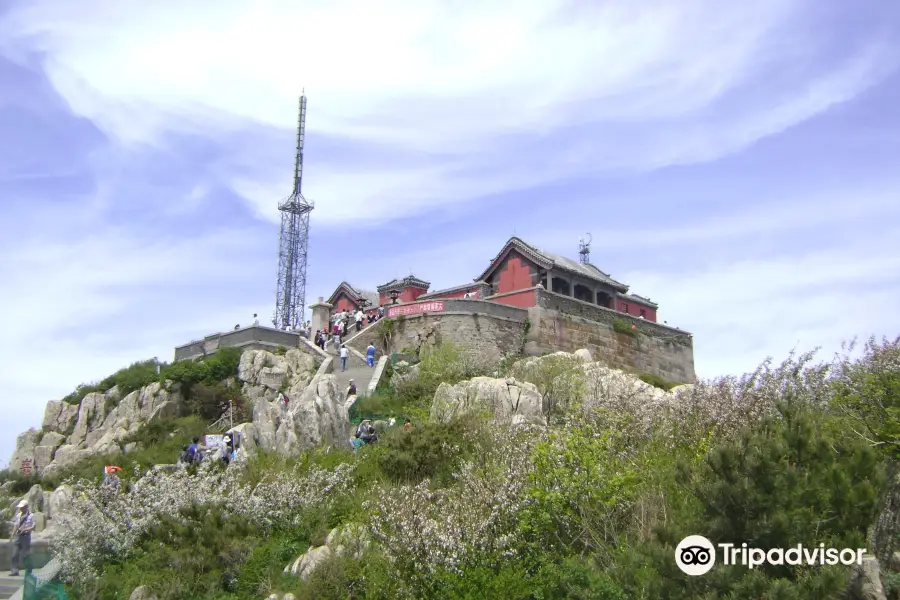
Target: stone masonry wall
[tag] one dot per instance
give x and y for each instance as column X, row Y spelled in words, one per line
column 568, row 324
column 487, row 336
column 247, row 338
column 556, row 323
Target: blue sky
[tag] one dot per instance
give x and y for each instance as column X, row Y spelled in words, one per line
column 735, row 163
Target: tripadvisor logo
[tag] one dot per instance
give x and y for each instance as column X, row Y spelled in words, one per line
column 696, row 555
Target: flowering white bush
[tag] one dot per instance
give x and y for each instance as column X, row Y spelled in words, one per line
column 716, row 408
column 423, row 531
column 103, row 524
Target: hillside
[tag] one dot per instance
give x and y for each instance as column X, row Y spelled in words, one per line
column 549, row 477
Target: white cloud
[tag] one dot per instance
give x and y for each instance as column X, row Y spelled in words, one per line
column 638, row 85
column 79, row 309
column 789, row 213
column 741, row 312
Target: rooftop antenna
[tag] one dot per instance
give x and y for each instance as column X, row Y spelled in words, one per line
column 584, row 249
column 293, row 240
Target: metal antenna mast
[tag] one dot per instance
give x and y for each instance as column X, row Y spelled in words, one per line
column 293, row 242
column 584, row 249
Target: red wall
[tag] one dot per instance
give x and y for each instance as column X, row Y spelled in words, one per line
column 513, row 274
column 633, row 308
column 343, row 303
column 407, row 294
column 523, row 299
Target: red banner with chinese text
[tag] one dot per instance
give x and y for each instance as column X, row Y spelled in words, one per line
column 414, row 309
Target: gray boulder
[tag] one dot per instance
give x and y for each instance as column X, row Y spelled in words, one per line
column 60, row 416
column 501, row 399
column 142, row 593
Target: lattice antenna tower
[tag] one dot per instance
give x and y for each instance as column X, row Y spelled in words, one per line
column 584, row 249
column 293, row 241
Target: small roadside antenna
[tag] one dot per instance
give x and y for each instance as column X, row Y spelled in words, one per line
column 584, row 249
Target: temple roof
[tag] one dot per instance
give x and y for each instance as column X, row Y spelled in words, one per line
column 354, row 293
column 549, row 260
column 640, row 300
column 408, row 281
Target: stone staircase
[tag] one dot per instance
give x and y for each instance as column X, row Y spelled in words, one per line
column 357, row 370
column 9, row 585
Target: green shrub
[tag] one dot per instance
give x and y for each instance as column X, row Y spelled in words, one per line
column 19, row 483
column 427, row 451
column 582, row 491
column 868, row 391
column 657, row 381
column 132, row 377
column 209, row 371
column 210, row 402
column 559, row 379
column 789, row 481
column 368, row 577
column 441, row 363
column 623, row 326
column 198, row 555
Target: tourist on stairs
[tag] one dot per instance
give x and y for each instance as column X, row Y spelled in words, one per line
column 351, row 390
column 370, row 355
column 359, row 319
column 20, row 540
column 345, row 353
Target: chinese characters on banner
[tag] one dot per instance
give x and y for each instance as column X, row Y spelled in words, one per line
column 415, row 309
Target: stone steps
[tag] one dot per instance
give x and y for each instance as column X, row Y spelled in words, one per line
column 9, row 585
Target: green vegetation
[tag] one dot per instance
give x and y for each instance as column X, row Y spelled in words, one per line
column 130, row 378
column 591, row 507
column 209, row 371
column 623, row 326
column 657, row 381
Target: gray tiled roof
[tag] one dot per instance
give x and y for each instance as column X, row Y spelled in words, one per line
column 640, row 300
column 586, row 270
column 408, row 280
column 372, row 297
column 549, row 260
column 369, row 295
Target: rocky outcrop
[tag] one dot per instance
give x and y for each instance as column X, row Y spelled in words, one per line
column 97, row 425
column 404, row 373
column 58, row 501
column 571, row 381
column 60, row 417
column 264, row 373
column 348, row 540
column 866, row 581
column 502, row 399
column 102, row 422
column 314, row 417
column 23, row 456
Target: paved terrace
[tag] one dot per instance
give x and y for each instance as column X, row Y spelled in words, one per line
column 255, row 337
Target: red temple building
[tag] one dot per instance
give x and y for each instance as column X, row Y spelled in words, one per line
column 510, row 278
column 348, row 298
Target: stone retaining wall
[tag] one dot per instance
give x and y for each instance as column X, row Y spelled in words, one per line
column 556, row 323
column 247, row 338
column 563, row 323
column 489, row 330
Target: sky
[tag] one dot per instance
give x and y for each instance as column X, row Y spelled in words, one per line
column 735, row 162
